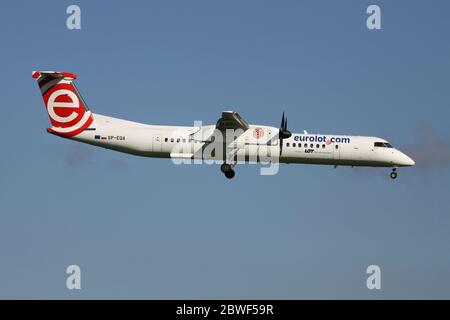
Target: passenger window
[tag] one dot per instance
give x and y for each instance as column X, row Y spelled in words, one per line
column 287, row 144
column 299, row 145
column 323, row 146
column 311, row 145
column 317, row 146
column 306, row 145
column 184, row 140
column 172, row 140
column 337, row 146
column 166, row 139
column 178, row 140
column 294, row 145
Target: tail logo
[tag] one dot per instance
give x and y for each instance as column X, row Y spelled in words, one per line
column 53, row 103
column 67, row 113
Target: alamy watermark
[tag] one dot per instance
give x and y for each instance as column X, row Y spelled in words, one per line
column 209, row 145
column 73, row 21
column 373, row 22
column 73, row 281
column 374, row 279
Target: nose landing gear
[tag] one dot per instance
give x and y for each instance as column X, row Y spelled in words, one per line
column 394, row 173
column 227, row 169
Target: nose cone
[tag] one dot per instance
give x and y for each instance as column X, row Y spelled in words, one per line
column 405, row 161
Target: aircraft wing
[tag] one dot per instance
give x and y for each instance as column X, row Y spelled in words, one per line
column 231, row 120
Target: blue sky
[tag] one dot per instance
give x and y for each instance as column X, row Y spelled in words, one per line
column 145, row 228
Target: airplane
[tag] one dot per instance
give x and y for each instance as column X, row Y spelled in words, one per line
column 230, row 141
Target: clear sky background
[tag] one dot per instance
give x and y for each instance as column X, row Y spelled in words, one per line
column 146, row 228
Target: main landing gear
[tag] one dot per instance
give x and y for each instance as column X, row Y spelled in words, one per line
column 394, row 173
column 227, row 169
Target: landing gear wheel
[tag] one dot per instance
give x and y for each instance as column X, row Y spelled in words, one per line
column 393, row 175
column 225, row 168
column 230, row 174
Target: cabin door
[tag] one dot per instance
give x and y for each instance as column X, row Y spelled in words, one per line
column 336, row 152
column 156, row 147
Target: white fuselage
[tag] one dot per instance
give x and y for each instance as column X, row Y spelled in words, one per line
column 192, row 142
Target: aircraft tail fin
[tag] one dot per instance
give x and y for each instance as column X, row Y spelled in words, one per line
column 68, row 112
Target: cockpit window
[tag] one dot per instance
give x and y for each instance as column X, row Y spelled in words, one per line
column 379, row 144
column 383, row 145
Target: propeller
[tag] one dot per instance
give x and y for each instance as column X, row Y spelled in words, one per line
column 283, row 133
